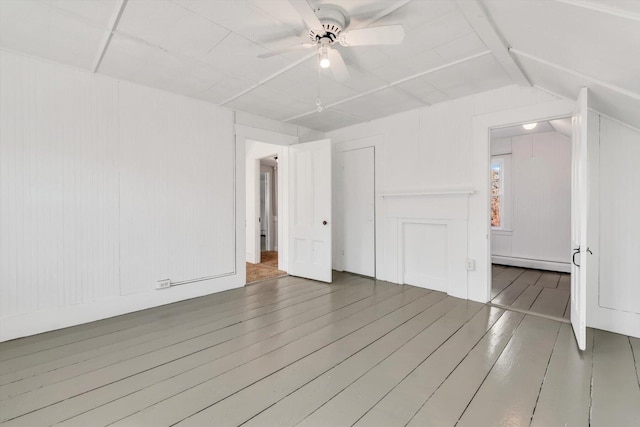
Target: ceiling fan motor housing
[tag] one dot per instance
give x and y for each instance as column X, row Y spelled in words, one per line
column 333, row 23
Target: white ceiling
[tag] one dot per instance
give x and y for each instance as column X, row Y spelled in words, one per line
column 208, row 49
column 562, row 126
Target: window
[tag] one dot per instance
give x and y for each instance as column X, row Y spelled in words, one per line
column 497, row 193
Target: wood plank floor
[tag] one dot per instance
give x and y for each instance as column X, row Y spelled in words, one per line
column 290, row 351
column 538, row 291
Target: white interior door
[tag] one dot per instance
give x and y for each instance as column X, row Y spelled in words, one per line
column 358, row 190
column 579, row 218
column 310, row 204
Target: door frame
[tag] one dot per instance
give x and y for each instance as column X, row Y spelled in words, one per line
column 376, row 142
column 529, row 120
column 480, row 280
column 246, row 136
column 253, row 216
column 267, row 219
column 340, row 173
column 542, row 263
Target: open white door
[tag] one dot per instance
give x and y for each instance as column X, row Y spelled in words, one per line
column 310, row 210
column 579, row 218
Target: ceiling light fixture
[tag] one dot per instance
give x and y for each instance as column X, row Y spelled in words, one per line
column 324, row 59
column 530, row 126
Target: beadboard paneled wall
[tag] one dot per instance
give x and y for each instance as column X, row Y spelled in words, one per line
column 432, row 148
column 107, row 187
column 177, row 204
column 59, row 186
column 619, row 213
column 539, row 230
column 429, row 149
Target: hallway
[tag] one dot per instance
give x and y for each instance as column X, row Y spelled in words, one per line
column 267, row 269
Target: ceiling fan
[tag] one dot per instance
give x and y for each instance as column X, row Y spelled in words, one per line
column 327, row 27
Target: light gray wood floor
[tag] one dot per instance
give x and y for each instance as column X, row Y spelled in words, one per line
column 538, row 291
column 295, row 352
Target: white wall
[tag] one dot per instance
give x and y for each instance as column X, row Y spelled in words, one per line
column 107, row 187
column 538, row 208
column 93, row 170
column 176, row 170
column 430, row 152
column 445, row 149
column 614, row 299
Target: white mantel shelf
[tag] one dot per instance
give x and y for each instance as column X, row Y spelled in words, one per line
column 433, row 193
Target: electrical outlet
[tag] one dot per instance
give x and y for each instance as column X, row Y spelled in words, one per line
column 163, row 284
column 471, row 264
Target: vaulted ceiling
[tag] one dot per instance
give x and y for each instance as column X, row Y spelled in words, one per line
column 208, row 49
column 561, row 125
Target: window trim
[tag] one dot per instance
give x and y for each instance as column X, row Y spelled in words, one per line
column 500, row 161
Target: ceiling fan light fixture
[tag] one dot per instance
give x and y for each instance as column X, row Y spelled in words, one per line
column 530, row 126
column 324, row 59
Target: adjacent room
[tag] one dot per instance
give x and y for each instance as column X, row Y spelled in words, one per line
column 319, row 213
column 267, row 267
column 531, row 217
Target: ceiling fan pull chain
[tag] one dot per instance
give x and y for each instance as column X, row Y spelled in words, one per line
column 318, row 101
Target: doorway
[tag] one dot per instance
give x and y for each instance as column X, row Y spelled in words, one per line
column 266, row 205
column 530, row 238
column 267, row 267
column 304, row 196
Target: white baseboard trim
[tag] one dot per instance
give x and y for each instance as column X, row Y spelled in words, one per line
column 22, row 325
column 619, row 322
column 563, row 267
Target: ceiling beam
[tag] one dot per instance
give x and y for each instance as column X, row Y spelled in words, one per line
column 397, row 82
column 350, row 115
column 392, row 8
column 603, row 8
column 104, row 45
column 479, row 19
column 271, row 77
column 570, row 99
column 597, row 81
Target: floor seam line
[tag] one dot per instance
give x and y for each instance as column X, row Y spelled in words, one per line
column 489, row 371
column 530, row 313
column 544, row 377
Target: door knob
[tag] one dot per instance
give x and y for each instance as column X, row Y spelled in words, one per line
column 324, row 222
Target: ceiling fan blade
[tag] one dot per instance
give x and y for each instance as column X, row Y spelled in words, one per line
column 338, row 67
column 308, row 15
column 392, row 8
column 388, row 34
column 288, row 49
